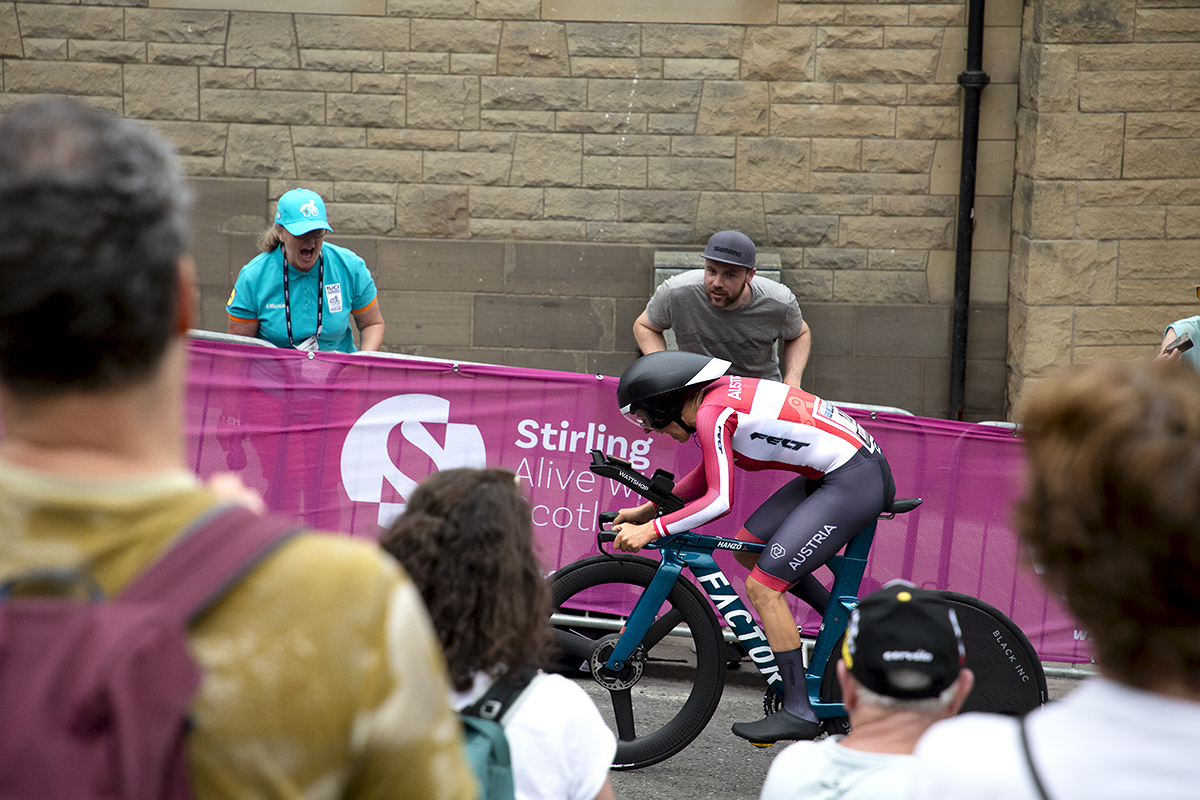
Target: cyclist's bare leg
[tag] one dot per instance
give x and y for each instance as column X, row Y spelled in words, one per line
column 773, row 612
column 797, row 719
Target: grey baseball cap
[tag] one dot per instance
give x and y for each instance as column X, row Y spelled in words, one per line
column 731, row 247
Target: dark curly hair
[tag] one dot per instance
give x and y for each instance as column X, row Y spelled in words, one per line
column 465, row 538
column 1112, row 512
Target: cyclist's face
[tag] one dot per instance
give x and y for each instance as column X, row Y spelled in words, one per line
column 676, row 432
column 640, row 417
column 725, row 283
column 672, row 429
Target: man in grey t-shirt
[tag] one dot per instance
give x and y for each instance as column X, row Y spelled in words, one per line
column 720, row 311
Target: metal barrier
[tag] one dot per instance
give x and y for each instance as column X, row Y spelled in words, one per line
column 873, row 409
column 229, row 338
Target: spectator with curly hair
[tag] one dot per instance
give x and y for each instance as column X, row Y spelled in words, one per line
column 1111, row 518
column 465, row 538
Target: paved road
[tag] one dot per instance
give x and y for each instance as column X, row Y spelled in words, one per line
column 718, row 765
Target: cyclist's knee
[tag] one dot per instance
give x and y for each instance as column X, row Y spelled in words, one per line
column 744, row 557
column 758, row 592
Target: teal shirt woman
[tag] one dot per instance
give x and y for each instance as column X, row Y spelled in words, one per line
column 300, row 292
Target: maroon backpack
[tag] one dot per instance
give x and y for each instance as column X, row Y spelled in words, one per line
column 94, row 696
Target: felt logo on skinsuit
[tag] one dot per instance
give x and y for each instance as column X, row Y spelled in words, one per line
column 788, row 444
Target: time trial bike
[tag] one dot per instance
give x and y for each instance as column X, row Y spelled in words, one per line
column 624, row 618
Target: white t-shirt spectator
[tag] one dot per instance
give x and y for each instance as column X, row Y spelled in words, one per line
column 1104, row 741
column 561, row 747
column 827, row 771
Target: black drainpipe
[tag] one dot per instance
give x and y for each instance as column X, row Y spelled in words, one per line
column 973, row 79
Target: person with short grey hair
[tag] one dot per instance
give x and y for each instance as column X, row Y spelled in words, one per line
column 720, row 311
column 901, row 671
column 321, row 674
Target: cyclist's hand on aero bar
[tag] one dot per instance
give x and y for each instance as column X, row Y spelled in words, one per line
column 637, row 514
column 632, row 537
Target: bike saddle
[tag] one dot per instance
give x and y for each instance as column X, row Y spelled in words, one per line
column 901, row 505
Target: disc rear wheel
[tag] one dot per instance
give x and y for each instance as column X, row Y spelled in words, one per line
column 1009, row 678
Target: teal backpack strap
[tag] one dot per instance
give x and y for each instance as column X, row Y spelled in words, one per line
column 484, row 740
column 500, row 696
column 486, row 749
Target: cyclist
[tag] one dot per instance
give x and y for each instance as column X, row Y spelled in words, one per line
column 843, row 483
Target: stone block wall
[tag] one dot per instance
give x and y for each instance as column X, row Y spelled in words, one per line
column 509, row 177
column 1107, row 200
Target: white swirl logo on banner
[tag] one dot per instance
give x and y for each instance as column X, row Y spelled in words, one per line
column 366, row 463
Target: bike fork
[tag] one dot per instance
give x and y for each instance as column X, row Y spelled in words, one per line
column 645, row 611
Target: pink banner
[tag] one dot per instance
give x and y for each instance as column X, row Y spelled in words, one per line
column 342, row 440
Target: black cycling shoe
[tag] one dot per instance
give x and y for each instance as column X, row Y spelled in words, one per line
column 777, row 727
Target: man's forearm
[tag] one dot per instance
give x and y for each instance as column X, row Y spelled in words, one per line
column 795, row 357
column 650, row 340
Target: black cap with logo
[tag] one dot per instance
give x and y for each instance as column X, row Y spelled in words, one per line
column 904, row 642
column 731, row 247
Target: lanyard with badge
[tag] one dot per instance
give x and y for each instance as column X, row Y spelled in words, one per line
column 310, row 344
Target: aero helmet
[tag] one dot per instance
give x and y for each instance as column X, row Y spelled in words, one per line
column 659, row 384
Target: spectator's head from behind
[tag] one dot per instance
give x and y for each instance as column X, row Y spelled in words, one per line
column 903, row 654
column 465, row 538
column 1111, row 512
column 94, row 213
column 729, row 261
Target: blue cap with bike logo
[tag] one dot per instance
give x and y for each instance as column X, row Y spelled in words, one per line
column 300, row 211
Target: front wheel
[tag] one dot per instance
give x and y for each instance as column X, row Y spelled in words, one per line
column 592, row 599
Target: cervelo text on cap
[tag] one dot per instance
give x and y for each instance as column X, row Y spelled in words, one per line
column 730, row 247
column 904, row 642
column 300, row 211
